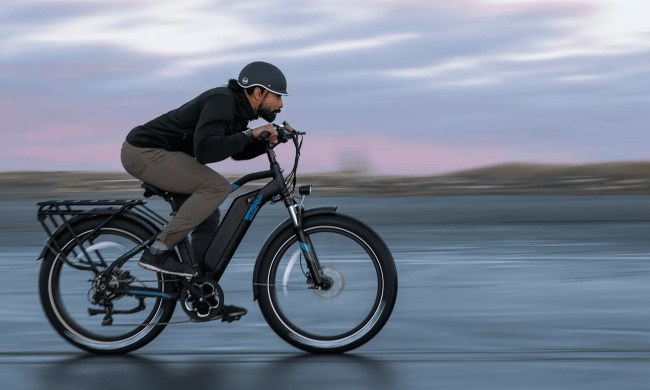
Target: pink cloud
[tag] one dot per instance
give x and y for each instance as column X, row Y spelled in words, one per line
column 66, row 157
column 319, row 154
column 399, row 157
column 60, row 133
column 380, row 155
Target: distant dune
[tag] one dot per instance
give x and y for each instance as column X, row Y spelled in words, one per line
column 523, row 171
column 514, row 178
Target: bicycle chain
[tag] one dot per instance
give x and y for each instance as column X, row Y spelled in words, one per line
column 164, row 323
column 170, row 322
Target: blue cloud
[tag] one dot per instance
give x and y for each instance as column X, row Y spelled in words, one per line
column 457, row 73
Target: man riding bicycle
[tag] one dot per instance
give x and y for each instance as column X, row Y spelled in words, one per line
column 170, row 152
column 95, row 298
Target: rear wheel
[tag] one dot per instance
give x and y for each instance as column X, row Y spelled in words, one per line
column 68, row 283
column 352, row 310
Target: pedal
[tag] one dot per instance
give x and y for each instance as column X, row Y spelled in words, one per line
column 230, row 317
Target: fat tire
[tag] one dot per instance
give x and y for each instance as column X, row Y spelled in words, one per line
column 60, row 322
column 271, row 259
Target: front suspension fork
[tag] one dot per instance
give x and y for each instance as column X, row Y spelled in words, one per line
column 315, row 270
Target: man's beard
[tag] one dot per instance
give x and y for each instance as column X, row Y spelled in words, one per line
column 266, row 114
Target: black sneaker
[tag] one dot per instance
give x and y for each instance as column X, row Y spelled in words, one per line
column 232, row 313
column 164, row 262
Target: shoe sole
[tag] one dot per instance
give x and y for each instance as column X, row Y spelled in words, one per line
column 231, row 317
column 223, row 317
column 235, row 313
column 156, row 269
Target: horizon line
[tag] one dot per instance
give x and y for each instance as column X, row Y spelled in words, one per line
column 362, row 172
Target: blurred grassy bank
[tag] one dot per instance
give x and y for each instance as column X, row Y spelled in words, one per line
column 605, row 178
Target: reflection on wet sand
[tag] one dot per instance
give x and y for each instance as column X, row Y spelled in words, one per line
column 215, row 371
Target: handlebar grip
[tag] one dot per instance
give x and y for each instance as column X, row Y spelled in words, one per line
column 265, row 135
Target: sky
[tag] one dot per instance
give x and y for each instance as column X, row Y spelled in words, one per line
column 392, row 87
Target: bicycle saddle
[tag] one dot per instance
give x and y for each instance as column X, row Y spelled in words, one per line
column 151, row 190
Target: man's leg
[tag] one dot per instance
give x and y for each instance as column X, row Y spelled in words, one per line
column 180, row 173
column 203, row 235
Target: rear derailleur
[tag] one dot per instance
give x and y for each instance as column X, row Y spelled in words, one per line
column 105, row 290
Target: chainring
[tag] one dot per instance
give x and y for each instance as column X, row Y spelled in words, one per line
column 205, row 308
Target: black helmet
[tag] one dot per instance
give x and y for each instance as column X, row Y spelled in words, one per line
column 265, row 75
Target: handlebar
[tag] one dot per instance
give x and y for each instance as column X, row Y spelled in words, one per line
column 283, row 134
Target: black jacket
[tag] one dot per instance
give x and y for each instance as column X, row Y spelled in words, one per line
column 208, row 127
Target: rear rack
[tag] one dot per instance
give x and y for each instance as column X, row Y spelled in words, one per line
column 65, row 207
column 57, row 215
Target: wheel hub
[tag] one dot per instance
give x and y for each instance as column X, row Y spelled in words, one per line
column 102, row 290
column 333, row 283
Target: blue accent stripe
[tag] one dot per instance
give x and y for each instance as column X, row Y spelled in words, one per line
column 304, row 247
column 233, row 187
column 151, row 293
column 250, row 214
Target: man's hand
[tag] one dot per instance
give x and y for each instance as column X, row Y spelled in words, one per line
column 273, row 135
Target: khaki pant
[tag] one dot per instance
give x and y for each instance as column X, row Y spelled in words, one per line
column 180, row 173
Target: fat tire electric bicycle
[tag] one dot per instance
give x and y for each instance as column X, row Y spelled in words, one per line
column 325, row 282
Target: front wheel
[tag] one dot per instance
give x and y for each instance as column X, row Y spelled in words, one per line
column 349, row 313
